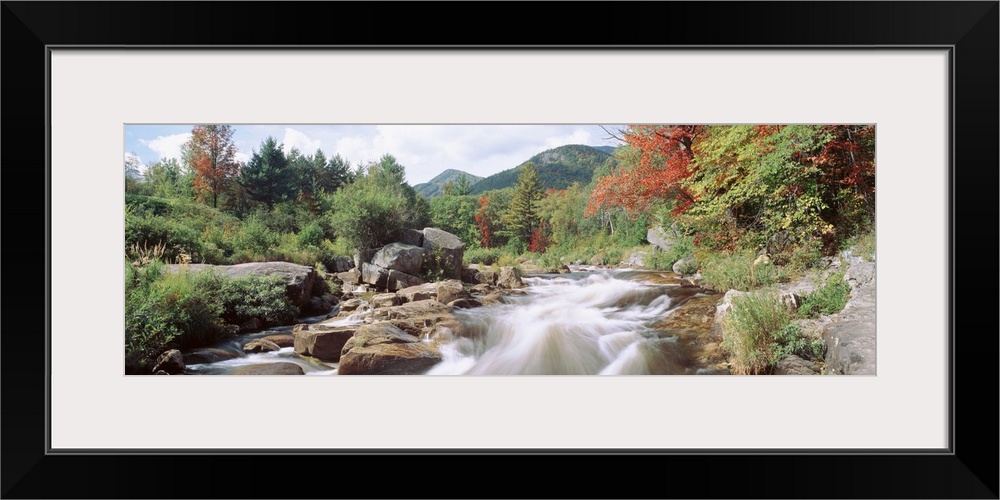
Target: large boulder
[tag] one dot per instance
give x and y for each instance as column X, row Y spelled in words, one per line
column 685, row 266
column 722, row 309
column 171, row 362
column 362, row 256
column 446, row 249
column 342, row 264
column 350, row 278
column 413, row 237
column 429, row 310
column 374, row 275
column 385, row 300
column 383, row 349
column 322, row 341
column 400, row 257
column 662, row 238
column 510, row 277
column 450, row 290
column 280, row 339
column 209, row 355
column 396, row 280
column 260, row 345
column 299, row 280
column 794, row 365
column 418, row 293
column 282, row 368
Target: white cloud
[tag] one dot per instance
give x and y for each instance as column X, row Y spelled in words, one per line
column 298, row 140
column 167, row 146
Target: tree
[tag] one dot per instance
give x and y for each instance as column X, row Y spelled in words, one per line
column 456, row 214
column 521, row 218
column 133, row 173
column 211, row 153
column 660, row 160
column 267, row 177
column 167, row 179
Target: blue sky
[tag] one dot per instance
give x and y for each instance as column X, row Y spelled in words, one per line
column 425, row 150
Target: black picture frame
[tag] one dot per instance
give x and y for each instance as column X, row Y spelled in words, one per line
column 970, row 29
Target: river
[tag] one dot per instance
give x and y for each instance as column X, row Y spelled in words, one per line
column 586, row 322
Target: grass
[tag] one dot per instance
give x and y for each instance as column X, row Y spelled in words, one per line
column 749, row 332
column 829, row 298
column 738, row 272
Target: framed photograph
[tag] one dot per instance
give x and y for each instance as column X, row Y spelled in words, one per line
column 917, row 81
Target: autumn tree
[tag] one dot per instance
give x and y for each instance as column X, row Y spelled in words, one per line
column 267, row 177
column 654, row 173
column 211, row 154
column 521, row 218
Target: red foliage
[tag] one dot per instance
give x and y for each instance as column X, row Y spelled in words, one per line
column 484, row 222
column 213, row 158
column 665, row 157
column 539, row 241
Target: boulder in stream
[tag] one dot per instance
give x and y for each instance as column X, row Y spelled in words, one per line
column 321, row 341
column 171, row 362
column 383, row 349
column 280, row 368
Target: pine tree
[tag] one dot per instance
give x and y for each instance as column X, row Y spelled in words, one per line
column 521, row 219
column 267, row 177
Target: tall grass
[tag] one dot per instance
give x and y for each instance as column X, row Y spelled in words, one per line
column 749, row 332
column 738, row 272
column 829, row 298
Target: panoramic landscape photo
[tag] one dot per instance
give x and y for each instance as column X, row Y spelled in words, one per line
column 605, row 249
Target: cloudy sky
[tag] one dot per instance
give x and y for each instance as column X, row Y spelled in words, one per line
column 425, row 150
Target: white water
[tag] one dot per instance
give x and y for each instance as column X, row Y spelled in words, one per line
column 576, row 324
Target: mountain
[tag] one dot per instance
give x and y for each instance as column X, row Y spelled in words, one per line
column 607, row 149
column 557, row 168
column 434, row 187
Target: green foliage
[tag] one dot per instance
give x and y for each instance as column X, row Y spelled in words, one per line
column 311, row 235
column 261, row 297
column 485, row 256
column 431, row 268
column 737, row 271
column 749, row 329
column 830, row 298
column 254, row 238
column 379, row 202
column 267, row 177
column 521, row 217
column 457, row 215
column 790, row 340
column 168, row 309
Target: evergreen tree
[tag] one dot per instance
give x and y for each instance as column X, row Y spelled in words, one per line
column 267, row 177
column 521, row 219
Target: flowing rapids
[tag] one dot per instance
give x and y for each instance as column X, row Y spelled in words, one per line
column 588, row 322
column 573, row 324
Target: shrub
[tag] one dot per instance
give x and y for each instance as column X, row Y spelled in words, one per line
column 738, row 272
column 254, row 239
column 163, row 309
column 485, row 256
column 829, row 298
column 311, row 235
column 261, row 297
column 749, row 330
column 790, row 340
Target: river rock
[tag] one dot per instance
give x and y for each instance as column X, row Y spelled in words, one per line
column 171, row 362
column 321, row 341
column 280, row 339
column 350, row 278
column 450, row 290
column 282, row 368
column 318, row 305
column 686, row 265
column 794, row 365
column 362, row 256
column 260, row 345
column 492, row 299
column 662, row 239
column 400, row 257
column 791, row 301
column 850, row 339
column 385, row 300
column 209, row 355
column 448, row 248
column 722, row 309
column 464, row 303
column 409, row 237
column 637, row 259
column 383, row 349
column 299, row 280
column 486, row 277
column 509, row 277
column 374, row 275
column 397, row 281
column 350, row 305
column 342, row 264
column 430, row 310
column 418, row 293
